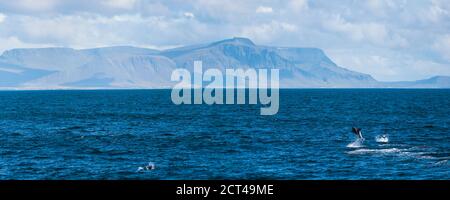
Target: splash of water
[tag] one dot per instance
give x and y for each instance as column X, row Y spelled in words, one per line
column 382, row 139
column 358, row 143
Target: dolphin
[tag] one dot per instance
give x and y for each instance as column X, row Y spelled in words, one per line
column 149, row 167
column 357, row 132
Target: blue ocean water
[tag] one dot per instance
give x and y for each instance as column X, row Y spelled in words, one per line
column 109, row 134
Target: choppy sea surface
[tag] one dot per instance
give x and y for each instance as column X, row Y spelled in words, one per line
column 109, row 134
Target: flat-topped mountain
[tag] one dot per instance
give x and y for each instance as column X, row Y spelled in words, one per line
column 132, row 67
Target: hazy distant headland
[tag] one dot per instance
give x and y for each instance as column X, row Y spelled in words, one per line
column 125, row 67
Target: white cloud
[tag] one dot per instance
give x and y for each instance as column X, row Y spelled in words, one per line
column 299, row 4
column 268, row 31
column 2, row 17
column 121, row 4
column 7, row 43
column 189, row 15
column 88, row 31
column 391, row 66
column 380, row 7
column 436, row 12
column 442, row 46
column 378, row 34
column 378, row 66
column 264, row 9
column 38, row 6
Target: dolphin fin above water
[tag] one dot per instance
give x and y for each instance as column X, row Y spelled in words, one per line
column 357, row 132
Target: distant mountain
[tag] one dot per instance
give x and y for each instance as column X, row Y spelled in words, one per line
column 131, row 67
column 433, row 82
column 111, row 67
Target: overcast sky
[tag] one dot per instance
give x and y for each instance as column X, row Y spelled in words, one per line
column 390, row 40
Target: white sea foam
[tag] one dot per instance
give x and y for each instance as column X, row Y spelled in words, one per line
column 382, row 139
column 441, row 163
column 406, row 153
column 372, row 151
column 358, row 143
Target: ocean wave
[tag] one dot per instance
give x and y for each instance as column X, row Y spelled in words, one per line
column 408, row 153
column 441, row 163
column 372, row 151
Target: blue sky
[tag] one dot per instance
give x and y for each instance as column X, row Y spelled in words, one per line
column 390, row 40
